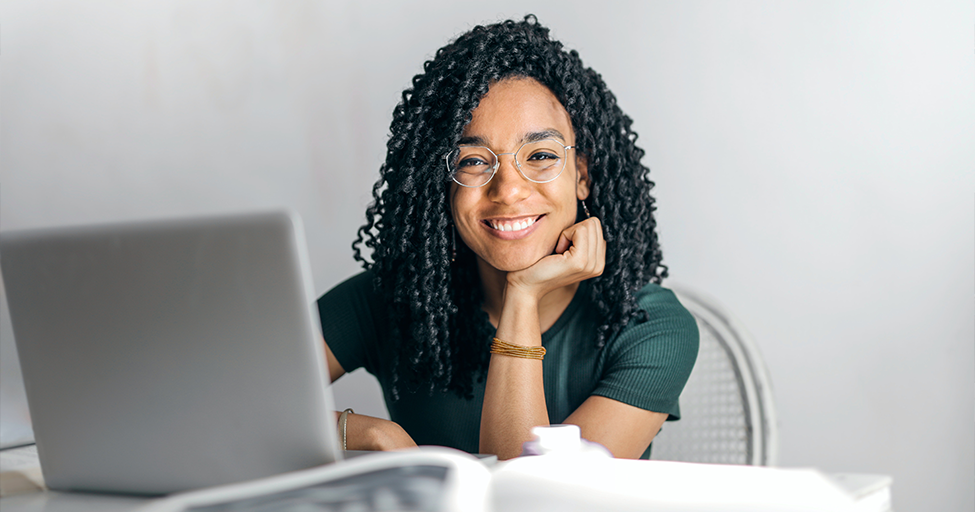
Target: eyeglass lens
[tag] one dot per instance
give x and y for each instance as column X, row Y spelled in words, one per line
column 474, row 166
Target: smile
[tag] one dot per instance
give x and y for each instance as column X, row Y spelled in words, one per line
column 511, row 225
column 511, row 229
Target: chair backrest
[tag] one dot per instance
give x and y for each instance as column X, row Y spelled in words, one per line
column 727, row 411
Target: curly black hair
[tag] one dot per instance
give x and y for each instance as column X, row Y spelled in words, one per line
column 434, row 303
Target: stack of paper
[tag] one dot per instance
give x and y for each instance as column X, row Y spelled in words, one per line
column 572, row 483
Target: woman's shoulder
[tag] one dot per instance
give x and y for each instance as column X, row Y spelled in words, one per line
column 668, row 321
column 649, row 362
column 354, row 325
column 654, row 297
column 359, row 285
column 354, row 302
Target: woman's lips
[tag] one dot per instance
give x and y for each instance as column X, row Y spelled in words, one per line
column 512, row 228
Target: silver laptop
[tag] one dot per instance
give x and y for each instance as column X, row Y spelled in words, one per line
column 166, row 356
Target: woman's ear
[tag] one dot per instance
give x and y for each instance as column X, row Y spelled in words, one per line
column 582, row 177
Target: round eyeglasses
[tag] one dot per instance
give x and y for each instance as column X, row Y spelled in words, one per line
column 538, row 161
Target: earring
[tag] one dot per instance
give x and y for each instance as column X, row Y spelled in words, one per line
column 453, row 243
column 585, row 209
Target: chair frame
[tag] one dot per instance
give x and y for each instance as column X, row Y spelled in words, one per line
column 750, row 372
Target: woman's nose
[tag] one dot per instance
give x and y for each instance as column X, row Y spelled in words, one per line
column 508, row 185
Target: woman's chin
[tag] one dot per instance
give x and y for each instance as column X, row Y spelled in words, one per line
column 513, row 262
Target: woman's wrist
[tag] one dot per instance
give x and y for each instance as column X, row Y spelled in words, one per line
column 375, row 434
column 518, row 323
column 521, row 293
column 519, row 297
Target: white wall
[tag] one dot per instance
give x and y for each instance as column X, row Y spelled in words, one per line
column 814, row 163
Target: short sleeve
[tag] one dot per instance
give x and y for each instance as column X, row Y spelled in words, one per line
column 352, row 317
column 648, row 364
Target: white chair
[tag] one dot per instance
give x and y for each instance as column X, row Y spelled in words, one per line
column 727, row 411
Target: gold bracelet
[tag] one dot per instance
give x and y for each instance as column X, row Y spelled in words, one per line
column 507, row 349
column 343, row 423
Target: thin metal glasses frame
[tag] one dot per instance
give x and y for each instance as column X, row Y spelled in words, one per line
column 497, row 163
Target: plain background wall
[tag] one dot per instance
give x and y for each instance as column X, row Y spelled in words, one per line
column 814, row 161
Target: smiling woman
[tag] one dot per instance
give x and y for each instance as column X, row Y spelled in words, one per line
column 515, row 269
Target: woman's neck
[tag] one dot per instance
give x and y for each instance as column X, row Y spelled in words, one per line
column 550, row 307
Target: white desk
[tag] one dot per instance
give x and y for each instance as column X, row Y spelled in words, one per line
column 548, row 483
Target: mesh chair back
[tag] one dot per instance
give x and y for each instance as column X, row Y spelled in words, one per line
column 727, row 412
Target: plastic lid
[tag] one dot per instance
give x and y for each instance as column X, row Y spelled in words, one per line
column 558, row 438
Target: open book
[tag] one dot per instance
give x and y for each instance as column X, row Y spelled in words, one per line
column 431, row 479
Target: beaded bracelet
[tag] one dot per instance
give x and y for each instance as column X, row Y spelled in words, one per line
column 343, row 423
column 507, row 349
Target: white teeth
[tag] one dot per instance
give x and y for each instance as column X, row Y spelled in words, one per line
column 512, row 226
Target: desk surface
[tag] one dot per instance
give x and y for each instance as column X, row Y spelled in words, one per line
column 52, row 501
column 525, row 483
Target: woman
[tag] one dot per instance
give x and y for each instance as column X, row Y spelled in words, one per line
column 512, row 217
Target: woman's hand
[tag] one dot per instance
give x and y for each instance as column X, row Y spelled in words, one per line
column 514, row 394
column 579, row 255
column 375, row 434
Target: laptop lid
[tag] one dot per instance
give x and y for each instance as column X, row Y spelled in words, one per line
column 171, row 355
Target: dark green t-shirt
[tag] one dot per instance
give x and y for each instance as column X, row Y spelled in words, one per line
column 645, row 366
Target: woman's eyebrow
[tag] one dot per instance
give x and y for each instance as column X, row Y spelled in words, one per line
column 550, row 133
column 472, row 141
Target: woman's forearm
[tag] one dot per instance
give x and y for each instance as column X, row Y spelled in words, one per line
column 514, row 394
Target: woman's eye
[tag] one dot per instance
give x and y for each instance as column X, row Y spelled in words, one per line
column 470, row 163
column 543, row 155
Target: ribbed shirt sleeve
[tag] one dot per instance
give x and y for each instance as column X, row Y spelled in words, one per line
column 648, row 364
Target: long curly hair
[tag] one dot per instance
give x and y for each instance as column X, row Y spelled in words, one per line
column 434, row 303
